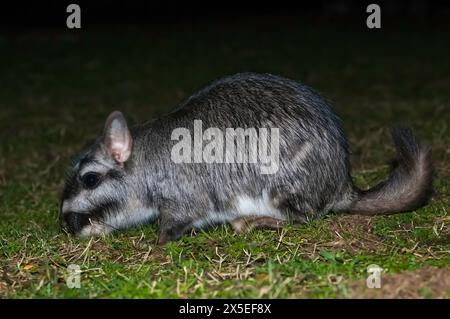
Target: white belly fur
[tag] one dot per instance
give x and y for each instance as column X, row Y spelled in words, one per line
column 243, row 206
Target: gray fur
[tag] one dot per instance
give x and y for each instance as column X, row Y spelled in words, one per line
column 313, row 176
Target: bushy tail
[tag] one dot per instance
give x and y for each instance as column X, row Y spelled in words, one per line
column 409, row 185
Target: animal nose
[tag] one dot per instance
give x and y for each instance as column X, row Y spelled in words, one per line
column 69, row 221
column 72, row 222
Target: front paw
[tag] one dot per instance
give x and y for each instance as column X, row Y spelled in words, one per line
column 172, row 233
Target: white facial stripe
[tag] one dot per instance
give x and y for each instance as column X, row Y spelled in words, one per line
column 76, row 204
column 125, row 219
column 95, row 167
column 119, row 220
column 88, row 199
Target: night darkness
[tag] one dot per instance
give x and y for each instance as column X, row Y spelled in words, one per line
column 23, row 14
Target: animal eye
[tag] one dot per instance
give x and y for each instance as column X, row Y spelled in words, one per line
column 90, row 180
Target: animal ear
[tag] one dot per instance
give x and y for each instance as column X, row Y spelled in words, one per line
column 117, row 138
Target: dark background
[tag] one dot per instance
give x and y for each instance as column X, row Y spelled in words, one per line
column 24, row 14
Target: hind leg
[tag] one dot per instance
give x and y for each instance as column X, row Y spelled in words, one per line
column 245, row 224
column 290, row 205
column 300, row 209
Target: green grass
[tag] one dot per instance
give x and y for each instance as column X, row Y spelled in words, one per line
column 58, row 87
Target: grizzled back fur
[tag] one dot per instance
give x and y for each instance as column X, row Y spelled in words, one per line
column 133, row 179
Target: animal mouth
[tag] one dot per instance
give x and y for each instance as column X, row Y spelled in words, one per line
column 84, row 224
column 95, row 220
column 73, row 222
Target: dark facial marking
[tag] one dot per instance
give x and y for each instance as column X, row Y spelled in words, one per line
column 73, row 222
column 115, row 174
column 104, row 208
column 71, row 187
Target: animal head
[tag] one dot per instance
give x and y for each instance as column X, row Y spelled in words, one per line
column 98, row 195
